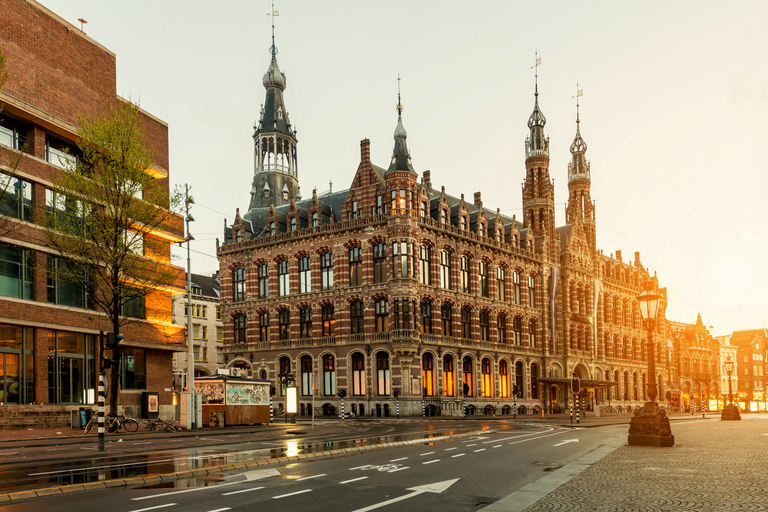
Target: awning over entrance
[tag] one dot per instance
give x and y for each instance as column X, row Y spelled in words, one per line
column 585, row 383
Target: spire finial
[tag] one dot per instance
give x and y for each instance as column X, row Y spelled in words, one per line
column 535, row 67
column 399, row 105
column 579, row 92
column 273, row 49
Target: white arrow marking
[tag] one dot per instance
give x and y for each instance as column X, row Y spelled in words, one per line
column 436, row 487
column 566, row 442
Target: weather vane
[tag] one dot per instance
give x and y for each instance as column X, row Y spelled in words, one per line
column 579, row 92
column 274, row 13
column 399, row 105
column 535, row 67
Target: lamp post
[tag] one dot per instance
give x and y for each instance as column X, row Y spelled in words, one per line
column 730, row 411
column 650, row 426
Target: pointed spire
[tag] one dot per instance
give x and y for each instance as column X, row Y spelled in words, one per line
column 537, row 143
column 401, row 158
column 579, row 167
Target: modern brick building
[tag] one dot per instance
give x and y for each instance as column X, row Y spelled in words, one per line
column 408, row 297
column 48, row 335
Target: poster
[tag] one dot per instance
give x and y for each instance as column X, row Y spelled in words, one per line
column 152, row 403
column 247, row 394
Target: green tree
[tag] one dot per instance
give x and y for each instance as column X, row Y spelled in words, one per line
column 105, row 219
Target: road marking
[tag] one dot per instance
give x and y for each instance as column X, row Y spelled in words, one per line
column 56, row 449
column 537, row 438
column 497, row 446
column 353, row 480
column 150, row 442
column 154, row 508
column 221, row 509
column 398, row 469
column 436, row 487
column 243, row 490
column 449, row 449
column 518, row 437
column 480, row 450
column 566, row 442
column 431, row 461
column 401, row 458
column 12, row 453
column 309, row 477
column 427, row 453
column 458, row 455
column 473, row 444
column 291, row 494
column 194, row 489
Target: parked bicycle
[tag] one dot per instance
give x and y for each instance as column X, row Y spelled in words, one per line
column 155, row 424
column 112, row 423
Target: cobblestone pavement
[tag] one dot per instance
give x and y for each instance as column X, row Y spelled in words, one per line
column 714, row 466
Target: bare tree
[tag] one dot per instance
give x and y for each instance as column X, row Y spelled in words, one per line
column 107, row 221
column 12, row 190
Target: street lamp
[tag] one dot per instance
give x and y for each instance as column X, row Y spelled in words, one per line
column 650, row 425
column 730, row 411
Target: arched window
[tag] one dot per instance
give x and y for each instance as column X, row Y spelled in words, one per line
column 425, row 266
column 240, row 326
column 315, row 219
column 501, row 328
column 329, row 375
column 305, row 325
column 503, row 379
column 355, row 266
column 283, row 278
column 449, row 376
column 468, row 373
column 445, row 270
column 516, row 287
column 383, row 378
column 532, row 333
column 306, row 375
column 293, row 224
column 428, row 374
column 379, row 262
column 263, row 326
column 519, row 379
column 425, row 326
column 272, row 228
column 326, row 271
column 443, row 216
column 285, row 324
column 534, row 381
column 466, row 323
column 329, row 323
column 464, row 274
column 482, row 282
column 487, row 383
column 500, row 284
column 358, row 374
column 356, row 318
column 517, row 327
column 424, row 211
column 446, row 317
column 381, row 310
column 238, row 284
column 263, row 280
column 285, row 370
column 531, row 292
column 484, row 327
column 305, row 277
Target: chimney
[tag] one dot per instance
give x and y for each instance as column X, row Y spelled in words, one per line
column 365, row 150
column 426, row 178
column 618, row 255
column 478, row 200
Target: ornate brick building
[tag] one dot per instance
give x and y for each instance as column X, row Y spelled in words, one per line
column 693, row 367
column 406, row 296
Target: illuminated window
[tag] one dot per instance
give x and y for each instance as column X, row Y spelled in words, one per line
column 449, row 376
column 468, row 373
column 503, row 379
column 358, row 374
column 487, row 382
column 329, row 375
column 428, row 374
column 383, row 378
column 328, row 321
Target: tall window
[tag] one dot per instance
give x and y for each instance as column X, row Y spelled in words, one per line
column 305, row 325
column 305, row 277
column 425, row 268
column 135, row 307
column 383, row 378
column 428, row 374
column 133, row 368
column 17, row 267
column 285, row 324
column 272, row 228
column 466, row 323
column 379, row 205
column 463, row 223
column 424, row 211
column 355, row 266
column 283, row 278
column 329, row 375
column 446, row 316
column 484, row 327
column 443, row 216
column 464, row 273
column 531, row 292
column 482, row 268
column 329, row 323
column 293, row 224
column 468, row 374
column 500, row 284
column 501, row 328
column 381, row 310
column 449, row 376
column 358, row 374
column 285, row 369
column 519, row 378
column 487, row 382
column 356, row 318
column 263, row 326
column 263, row 281
column 405, row 321
column 315, row 219
column 306, row 376
column 326, row 271
column 238, row 284
column 426, row 317
column 532, row 333
column 445, row 270
column 534, row 381
column 503, row 379
column 517, row 327
column 400, row 259
column 15, row 196
column 516, row 287
column 240, row 324
column 62, row 292
column 379, row 262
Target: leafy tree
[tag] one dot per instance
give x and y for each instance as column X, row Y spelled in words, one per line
column 105, row 221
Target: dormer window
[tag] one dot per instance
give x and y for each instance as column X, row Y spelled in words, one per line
column 238, row 236
column 285, row 192
column 354, row 209
column 463, row 223
column 272, row 228
column 266, row 191
column 279, row 113
column 481, row 229
column 443, row 217
column 423, row 209
column 293, row 224
column 196, row 290
column 314, row 219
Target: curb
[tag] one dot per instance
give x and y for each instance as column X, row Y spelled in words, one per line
column 147, row 480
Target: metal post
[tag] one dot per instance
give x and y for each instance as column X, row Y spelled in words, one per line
column 423, row 407
column 398, row 407
column 342, row 408
column 101, row 411
column 570, row 407
column 578, row 406
column 271, row 409
column 514, row 403
column 188, row 200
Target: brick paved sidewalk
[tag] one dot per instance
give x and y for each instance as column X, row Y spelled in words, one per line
column 714, row 466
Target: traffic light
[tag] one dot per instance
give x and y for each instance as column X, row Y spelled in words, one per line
column 575, row 386
column 515, row 391
column 113, row 339
column 108, row 362
column 396, row 392
column 342, row 393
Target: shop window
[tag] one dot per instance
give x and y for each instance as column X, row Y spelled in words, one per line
column 17, row 267
column 133, row 371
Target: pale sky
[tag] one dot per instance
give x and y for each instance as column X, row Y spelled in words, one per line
column 674, row 113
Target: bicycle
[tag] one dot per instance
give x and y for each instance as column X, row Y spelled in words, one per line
column 113, row 423
column 154, row 424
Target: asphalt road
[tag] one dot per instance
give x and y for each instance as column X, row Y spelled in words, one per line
column 462, row 473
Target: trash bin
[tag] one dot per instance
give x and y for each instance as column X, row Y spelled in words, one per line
column 150, row 405
column 85, row 416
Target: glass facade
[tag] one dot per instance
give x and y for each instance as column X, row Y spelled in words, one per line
column 72, row 372
column 17, row 365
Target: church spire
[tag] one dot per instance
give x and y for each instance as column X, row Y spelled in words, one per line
column 401, row 158
column 580, row 206
column 536, row 143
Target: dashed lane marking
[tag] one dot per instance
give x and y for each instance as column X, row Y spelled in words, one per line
column 194, row 489
column 310, row 477
column 431, row 461
column 427, row 453
column 353, row 480
column 449, row 449
column 458, row 455
column 291, row 494
column 401, row 458
column 241, row 491
column 480, row 450
column 155, row 508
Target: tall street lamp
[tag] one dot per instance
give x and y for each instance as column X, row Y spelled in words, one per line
column 650, row 424
column 730, row 411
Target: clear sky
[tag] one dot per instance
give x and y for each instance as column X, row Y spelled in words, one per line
column 674, row 113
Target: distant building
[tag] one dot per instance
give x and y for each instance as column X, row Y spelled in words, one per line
column 728, row 351
column 403, row 295
column 48, row 334
column 751, row 354
column 693, row 367
column 207, row 328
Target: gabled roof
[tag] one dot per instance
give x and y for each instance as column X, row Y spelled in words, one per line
column 210, row 285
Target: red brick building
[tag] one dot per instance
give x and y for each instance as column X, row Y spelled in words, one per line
column 48, row 335
column 406, row 296
column 750, row 356
column 693, row 366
